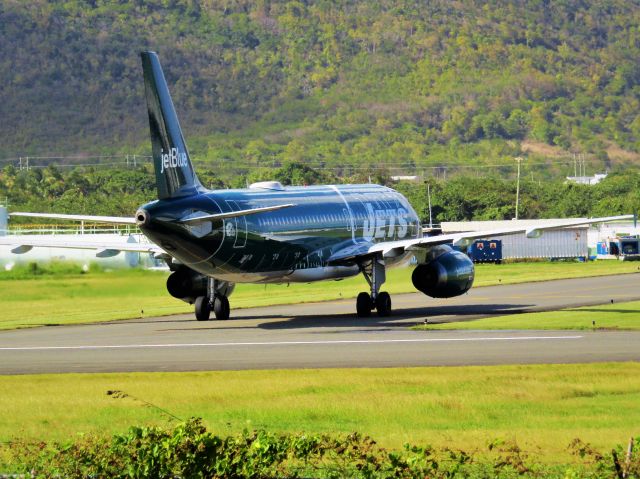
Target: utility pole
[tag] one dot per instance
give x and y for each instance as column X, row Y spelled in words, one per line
column 429, row 197
column 519, row 160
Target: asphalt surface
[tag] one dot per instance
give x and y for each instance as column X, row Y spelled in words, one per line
column 329, row 334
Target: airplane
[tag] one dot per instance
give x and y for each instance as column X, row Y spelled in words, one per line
column 269, row 233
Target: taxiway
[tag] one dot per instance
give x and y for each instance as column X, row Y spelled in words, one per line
column 315, row 335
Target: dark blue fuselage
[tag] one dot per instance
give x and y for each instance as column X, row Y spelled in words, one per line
column 291, row 244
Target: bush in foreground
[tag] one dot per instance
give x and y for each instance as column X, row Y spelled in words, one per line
column 190, row 451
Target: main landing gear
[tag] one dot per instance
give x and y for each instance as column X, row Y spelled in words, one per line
column 214, row 301
column 374, row 273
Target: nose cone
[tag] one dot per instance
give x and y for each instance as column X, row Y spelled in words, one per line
column 142, row 217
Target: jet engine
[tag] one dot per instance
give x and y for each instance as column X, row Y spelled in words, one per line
column 444, row 274
column 186, row 284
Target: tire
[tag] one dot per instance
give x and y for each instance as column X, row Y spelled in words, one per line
column 203, row 308
column 383, row 304
column 363, row 305
column 221, row 308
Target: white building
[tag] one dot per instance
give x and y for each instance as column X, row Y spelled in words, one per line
column 572, row 242
column 587, row 180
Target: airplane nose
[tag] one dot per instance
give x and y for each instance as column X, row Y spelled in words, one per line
column 142, row 217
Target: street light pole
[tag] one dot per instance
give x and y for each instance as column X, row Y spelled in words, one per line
column 429, row 197
column 518, row 159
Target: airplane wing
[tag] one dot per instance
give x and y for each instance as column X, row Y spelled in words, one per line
column 25, row 243
column 351, row 252
column 118, row 220
column 392, row 249
column 104, row 249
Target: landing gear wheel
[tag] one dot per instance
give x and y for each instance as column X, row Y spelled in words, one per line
column 383, row 304
column 363, row 305
column 203, row 308
column 221, row 307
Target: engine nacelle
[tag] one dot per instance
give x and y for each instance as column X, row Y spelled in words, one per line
column 446, row 273
column 186, row 284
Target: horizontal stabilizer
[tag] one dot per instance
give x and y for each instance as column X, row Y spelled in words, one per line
column 193, row 220
column 116, row 220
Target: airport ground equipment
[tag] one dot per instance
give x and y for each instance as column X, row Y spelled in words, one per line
column 486, row 251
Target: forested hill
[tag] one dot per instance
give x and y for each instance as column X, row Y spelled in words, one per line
column 328, row 82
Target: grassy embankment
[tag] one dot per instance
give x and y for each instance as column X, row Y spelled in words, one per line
column 100, row 296
column 542, row 408
column 622, row 316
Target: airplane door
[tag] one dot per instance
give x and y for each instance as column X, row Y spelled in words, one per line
column 236, row 228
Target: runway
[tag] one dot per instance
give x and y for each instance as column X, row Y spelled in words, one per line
column 325, row 335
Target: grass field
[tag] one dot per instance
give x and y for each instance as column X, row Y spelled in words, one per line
column 101, row 296
column 620, row 316
column 542, row 408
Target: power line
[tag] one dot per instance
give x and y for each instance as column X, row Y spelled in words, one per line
column 72, row 157
column 27, row 162
column 395, row 166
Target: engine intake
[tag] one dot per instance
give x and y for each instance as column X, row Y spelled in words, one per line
column 447, row 273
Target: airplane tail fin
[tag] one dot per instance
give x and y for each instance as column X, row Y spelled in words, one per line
column 175, row 176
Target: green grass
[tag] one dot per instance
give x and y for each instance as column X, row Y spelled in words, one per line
column 542, row 408
column 620, row 316
column 53, row 299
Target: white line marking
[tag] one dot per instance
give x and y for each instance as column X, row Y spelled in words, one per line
column 282, row 343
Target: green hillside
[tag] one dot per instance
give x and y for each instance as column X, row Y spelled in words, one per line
column 336, row 84
column 120, row 192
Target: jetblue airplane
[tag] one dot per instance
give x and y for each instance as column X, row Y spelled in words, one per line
column 269, row 233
